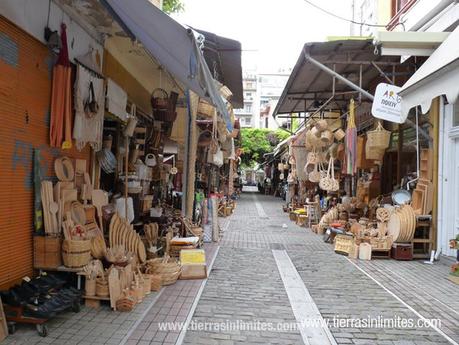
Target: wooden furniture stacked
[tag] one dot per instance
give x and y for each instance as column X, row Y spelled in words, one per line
column 422, row 198
column 423, row 241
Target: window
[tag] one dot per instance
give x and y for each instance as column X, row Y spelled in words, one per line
column 248, row 121
column 248, row 108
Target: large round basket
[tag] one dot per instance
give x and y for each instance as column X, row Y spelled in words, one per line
column 169, row 279
column 169, row 270
column 76, row 254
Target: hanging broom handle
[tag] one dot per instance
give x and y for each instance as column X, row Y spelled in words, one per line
column 126, row 179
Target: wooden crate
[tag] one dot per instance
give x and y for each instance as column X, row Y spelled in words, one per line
column 343, row 244
column 47, row 252
column 194, row 271
column 402, row 251
column 380, row 253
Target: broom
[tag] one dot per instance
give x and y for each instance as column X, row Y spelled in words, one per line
column 351, row 141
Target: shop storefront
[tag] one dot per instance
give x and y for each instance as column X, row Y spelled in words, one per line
column 105, row 173
column 361, row 182
column 434, row 87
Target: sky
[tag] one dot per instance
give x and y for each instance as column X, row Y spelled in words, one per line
column 272, row 32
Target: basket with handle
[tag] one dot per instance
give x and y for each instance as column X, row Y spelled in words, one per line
column 378, row 138
column 159, row 99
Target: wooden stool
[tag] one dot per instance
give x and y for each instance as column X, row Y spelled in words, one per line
column 301, row 219
column 311, row 211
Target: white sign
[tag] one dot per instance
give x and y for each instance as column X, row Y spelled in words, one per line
column 387, row 104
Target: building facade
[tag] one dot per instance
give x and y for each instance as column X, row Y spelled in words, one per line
column 246, row 115
column 261, row 93
column 437, row 17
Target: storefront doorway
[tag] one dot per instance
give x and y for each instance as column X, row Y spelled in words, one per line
column 449, row 178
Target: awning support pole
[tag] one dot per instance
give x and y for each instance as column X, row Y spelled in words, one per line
column 381, row 72
column 338, row 76
column 359, row 89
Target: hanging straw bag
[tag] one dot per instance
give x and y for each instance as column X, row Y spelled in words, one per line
column 377, row 142
column 314, row 176
column 378, row 138
column 329, row 183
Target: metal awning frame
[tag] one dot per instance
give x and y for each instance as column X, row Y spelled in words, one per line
column 355, row 87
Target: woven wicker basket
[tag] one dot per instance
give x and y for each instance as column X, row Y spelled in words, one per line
column 156, row 282
column 90, row 287
column 76, row 253
column 168, row 270
column 169, row 279
column 373, row 153
column 378, row 138
column 102, row 288
column 321, row 125
column 205, row 108
column 339, row 134
column 146, row 284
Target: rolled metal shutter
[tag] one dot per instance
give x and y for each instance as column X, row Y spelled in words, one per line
column 25, row 89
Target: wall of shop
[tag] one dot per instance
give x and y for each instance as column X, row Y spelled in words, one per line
column 32, row 17
column 140, row 66
column 25, row 89
column 137, row 93
column 448, row 179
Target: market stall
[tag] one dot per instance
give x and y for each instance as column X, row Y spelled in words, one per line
column 356, row 180
column 118, row 215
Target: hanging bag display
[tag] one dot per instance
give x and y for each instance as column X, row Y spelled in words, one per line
column 214, row 142
column 328, row 182
column 91, row 107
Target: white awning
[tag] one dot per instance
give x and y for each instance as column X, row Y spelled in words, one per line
column 174, row 46
column 439, row 75
column 408, row 43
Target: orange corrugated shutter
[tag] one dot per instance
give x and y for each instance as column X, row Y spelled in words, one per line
column 25, row 88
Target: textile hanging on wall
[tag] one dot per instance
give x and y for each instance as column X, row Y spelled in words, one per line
column 351, row 141
column 116, row 100
column 60, row 129
column 88, row 126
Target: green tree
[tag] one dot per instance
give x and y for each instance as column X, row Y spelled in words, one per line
column 173, row 6
column 258, row 141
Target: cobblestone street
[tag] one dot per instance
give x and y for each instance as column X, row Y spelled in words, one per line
column 248, row 285
column 245, row 285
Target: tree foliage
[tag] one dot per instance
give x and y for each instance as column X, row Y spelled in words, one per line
column 173, row 6
column 258, row 141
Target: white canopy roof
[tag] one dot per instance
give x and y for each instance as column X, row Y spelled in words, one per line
column 439, row 75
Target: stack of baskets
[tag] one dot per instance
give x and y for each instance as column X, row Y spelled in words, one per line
column 102, row 287
column 377, row 142
column 76, row 253
column 205, row 108
column 168, row 268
